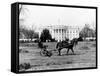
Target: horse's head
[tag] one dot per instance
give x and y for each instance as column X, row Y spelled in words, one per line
column 74, row 41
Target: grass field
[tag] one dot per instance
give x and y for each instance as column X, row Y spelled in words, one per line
column 85, row 56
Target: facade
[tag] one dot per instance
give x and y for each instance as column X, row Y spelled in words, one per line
column 61, row 32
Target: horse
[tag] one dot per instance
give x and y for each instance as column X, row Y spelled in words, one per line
column 65, row 44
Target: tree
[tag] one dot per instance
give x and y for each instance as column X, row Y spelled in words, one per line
column 36, row 35
column 45, row 35
column 28, row 33
column 20, row 9
column 22, row 32
column 87, row 32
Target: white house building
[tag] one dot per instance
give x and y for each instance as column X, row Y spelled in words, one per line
column 61, row 32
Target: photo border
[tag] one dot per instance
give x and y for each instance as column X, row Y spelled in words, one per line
column 51, row 5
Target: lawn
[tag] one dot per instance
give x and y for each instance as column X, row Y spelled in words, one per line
column 85, row 56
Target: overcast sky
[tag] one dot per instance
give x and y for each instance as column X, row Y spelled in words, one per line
column 34, row 16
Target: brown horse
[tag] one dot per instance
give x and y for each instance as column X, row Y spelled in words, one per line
column 65, row 44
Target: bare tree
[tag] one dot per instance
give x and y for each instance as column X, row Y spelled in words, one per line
column 87, row 32
column 20, row 8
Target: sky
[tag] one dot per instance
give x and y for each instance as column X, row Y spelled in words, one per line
column 35, row 16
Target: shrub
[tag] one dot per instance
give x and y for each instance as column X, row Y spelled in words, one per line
column 24, row 66
column 80, row 39
column 53, row 40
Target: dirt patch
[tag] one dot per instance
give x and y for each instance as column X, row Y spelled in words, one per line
column 36, row 65
column 23, row 51
column 87, row 43
column 58, row 63
column 93, row 45
column 52, row 63
column 84, row 48
column 28, row 45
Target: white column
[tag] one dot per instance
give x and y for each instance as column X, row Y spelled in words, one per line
column 58, row 35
